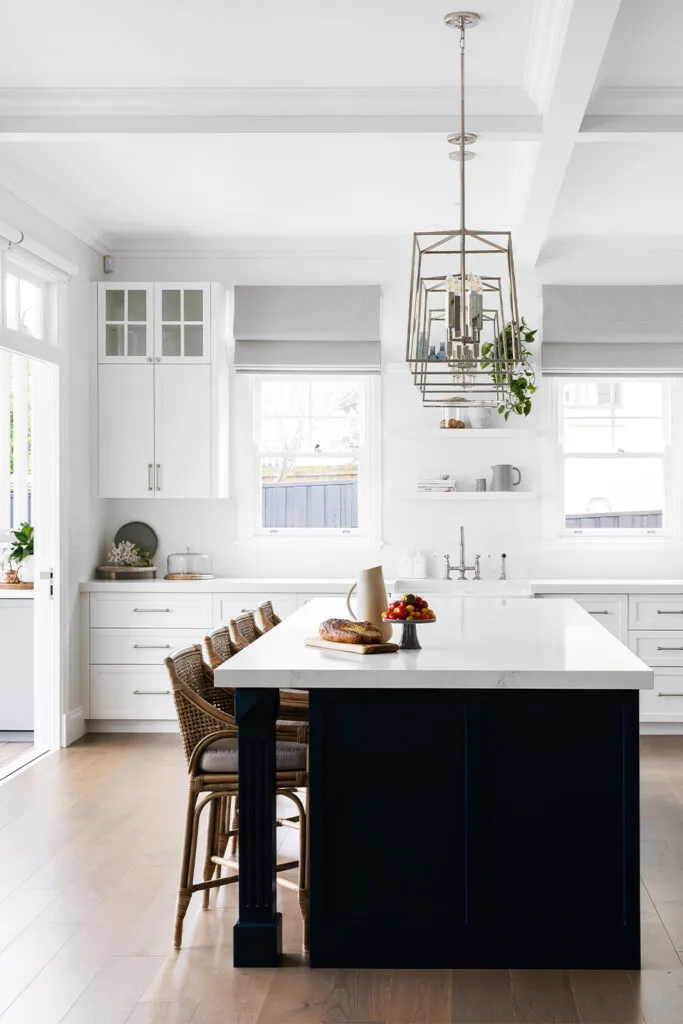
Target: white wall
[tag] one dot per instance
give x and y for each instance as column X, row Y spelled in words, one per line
column 515, row 528
column 81, row 512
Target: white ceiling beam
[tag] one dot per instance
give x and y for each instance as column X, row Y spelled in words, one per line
column 580, row 49
column 506, row 113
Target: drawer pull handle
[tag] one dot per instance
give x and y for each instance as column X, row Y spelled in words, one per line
column 660, row 694
column 151, row 609
column 599, row 613
column 669, row 648
column 660, row 612
column 152, row 693
column 151, row 647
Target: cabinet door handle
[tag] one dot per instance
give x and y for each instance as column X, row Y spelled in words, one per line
column 158, row 476
column 660, row 612
column 151, row 647
column 660, row 694
column 150, row 484
column 151, row 609
column 605, row 612
column 670, row 648
column 151, row 693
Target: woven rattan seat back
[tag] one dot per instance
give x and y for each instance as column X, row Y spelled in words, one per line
column 219, row 646
column 188, row 672
column 266, row 618
column 243, row 630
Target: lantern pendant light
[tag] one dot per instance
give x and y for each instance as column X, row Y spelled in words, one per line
column 464, row 343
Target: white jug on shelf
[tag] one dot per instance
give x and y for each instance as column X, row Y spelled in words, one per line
column 372, row 600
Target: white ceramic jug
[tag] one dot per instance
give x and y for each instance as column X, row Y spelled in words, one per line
column 372, row 600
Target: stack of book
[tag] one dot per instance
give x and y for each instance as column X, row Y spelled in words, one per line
column 443, row 484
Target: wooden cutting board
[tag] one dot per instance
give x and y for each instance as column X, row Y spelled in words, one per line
column 331, row 645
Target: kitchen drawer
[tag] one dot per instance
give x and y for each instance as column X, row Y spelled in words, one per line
column 655, row 611
column 658, row 648
column 122, row 691
column 665, row 702
column 229, row 606
column 610, row 610
column 151, row 611
column 139, row 646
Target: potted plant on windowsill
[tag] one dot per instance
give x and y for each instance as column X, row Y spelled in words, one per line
column 21, row 552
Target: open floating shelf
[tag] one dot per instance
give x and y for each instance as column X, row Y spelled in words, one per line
column 471, row 433
column 467, row 496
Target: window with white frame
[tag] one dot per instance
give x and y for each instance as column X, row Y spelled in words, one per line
column 313, row 454
column 25, row 300
column 615, row 442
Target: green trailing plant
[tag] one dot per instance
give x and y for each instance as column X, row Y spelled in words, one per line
column 22, row 545
column 521, row 383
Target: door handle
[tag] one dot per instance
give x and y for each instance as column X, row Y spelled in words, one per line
column 158, row 476
column 660, row 612
column 670, row 648
column 151, row 693
column 150, row 484
column 599, row 613
column 660, row 694
column 151, row 647
column 151, row 609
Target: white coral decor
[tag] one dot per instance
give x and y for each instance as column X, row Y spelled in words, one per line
column 125, row 553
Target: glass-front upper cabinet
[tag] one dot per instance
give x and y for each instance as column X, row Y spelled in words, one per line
column 182, row 329
column 125, row 318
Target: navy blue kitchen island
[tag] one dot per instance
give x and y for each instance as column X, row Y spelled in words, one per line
column 494, row 824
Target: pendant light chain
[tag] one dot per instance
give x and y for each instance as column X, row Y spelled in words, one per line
column 463, row 312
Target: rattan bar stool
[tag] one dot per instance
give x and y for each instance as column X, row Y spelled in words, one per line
column 209, row 738
column 243, row 629
column 266, row 619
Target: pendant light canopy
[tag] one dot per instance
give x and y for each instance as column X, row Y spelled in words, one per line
column 464, row 343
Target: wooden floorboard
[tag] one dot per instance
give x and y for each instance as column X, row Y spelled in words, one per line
column 89, row 858
column 9, row 751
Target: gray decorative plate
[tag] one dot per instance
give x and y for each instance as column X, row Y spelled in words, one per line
column 139, row 533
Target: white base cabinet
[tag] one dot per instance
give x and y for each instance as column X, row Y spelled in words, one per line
column 652, row 626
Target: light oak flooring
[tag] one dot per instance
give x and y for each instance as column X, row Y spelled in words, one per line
column 10, row 751
column 89, row 851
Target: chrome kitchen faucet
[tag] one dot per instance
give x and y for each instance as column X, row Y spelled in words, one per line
column 462, row 568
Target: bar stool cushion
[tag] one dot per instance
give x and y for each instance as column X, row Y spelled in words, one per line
column 221, row 757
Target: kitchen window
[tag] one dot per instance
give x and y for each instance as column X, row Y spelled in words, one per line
column 615, row 456
column 315, row 454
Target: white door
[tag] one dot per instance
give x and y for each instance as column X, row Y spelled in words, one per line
column 125, row 430
column 182, row 402
column 46, row 587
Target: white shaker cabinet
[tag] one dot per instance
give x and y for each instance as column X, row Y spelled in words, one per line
column 162, row 410
column 182, row 431
column 125, row 431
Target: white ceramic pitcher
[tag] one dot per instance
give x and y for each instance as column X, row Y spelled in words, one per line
column 372, row 600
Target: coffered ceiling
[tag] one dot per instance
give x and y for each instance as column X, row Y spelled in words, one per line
column 145, row 125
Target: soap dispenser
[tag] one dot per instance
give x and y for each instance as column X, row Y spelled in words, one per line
column 419, row 566
column 405, row 566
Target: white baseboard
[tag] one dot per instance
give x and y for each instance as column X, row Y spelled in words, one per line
column 73, row 727
column 130, row 725
column 661, row 728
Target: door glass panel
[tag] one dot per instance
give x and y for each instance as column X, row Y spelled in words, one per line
column 194, row 340
column 114, row 305
column 170, row 304
column 137, row 305
column 194, row 305
column 137, row 340
column 114, row 340
column 170, row 341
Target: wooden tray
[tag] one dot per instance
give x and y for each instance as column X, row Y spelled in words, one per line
column 16, row 586
column 331, row 645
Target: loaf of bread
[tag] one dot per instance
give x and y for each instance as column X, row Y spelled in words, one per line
column 345, row 631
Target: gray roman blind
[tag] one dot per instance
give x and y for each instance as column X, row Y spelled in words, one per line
column 602, row 330
column 316, row 328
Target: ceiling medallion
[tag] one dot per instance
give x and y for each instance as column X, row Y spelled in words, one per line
column 464, row 344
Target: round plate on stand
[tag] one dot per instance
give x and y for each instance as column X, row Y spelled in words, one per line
column 409, row 640
column 140, row 534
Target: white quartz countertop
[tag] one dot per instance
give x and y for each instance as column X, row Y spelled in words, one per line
column 604, row 586
column 489, row 643
column 16, row 595
column 226, row 585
